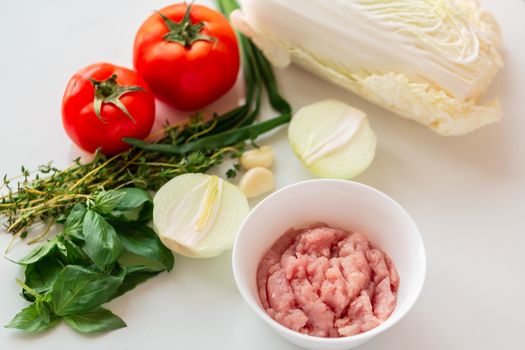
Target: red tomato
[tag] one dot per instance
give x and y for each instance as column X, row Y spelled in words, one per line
column 188, row 55
column 104, row 103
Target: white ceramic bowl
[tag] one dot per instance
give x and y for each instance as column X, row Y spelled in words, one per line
column 345, row 204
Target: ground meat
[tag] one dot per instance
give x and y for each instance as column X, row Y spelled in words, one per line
column 327, row 282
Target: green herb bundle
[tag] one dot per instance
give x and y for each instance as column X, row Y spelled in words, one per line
column 70, row 276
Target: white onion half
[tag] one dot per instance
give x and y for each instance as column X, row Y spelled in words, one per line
column 332, row 139
column 198, row 215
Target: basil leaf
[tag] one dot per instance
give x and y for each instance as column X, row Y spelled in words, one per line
column 102, row 244
column 141, row 240
column 29, row 320
column 41, row 276
column 61, row 247
column 73, row 225
column 74, row 255
column 78, row 290
column 132, row 198
column 106, row 201
column 98, row 320
column 43, row 310
column 39, row 253
column 135, row 205
column 134, row 276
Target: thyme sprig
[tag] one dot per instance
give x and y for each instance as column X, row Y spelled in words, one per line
column 49, row 193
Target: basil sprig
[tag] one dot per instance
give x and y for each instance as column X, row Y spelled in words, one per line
column 72, row 275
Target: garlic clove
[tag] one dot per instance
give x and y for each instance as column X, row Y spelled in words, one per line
column 259, row 157
column 257, row 181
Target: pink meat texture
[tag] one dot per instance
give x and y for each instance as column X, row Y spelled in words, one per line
column 327, row 282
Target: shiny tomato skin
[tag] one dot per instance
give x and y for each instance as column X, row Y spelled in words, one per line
column 83, row 126
column 187, row 78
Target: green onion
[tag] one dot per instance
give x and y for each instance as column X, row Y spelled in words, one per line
column 226, row 138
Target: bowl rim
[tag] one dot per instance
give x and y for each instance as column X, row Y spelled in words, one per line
column 414, row 295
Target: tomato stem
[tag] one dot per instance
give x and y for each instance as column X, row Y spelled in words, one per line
column 109, row 91
column 184, row 32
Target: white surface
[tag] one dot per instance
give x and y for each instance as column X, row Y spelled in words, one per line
column 344, row 204
column 466, row 194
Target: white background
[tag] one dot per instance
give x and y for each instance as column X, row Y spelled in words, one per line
column 467, row 194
